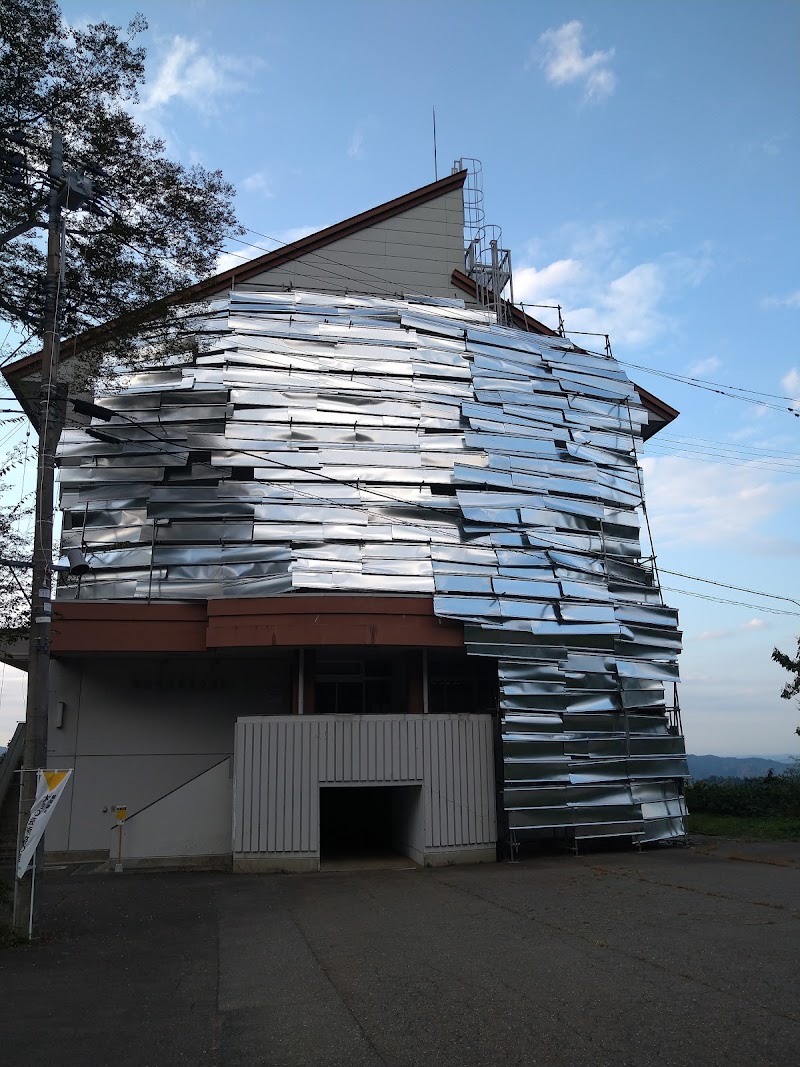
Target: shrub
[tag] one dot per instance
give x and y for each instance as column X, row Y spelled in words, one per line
column 776, row 794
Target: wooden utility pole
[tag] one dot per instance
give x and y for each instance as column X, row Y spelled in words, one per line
column 51, row 420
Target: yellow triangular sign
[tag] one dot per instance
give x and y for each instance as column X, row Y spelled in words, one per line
column 53, row 778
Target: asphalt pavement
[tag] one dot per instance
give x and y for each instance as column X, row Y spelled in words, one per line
column 669, row 957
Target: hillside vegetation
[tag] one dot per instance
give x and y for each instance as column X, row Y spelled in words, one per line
column 765, row 808
column 734, row 766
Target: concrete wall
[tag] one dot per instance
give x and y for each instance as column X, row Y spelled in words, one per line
column 408, row 823
column 416, row 251
column 136, row 728
column 192, row 823
column 280, row 763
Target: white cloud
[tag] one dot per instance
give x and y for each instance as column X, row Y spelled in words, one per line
column 704, row 366
column 601, row 291
column 790, row 301
column 258, row 183
column 545, row 286
column 355, row 146
column 691, row 502
column 198, row 78
column 626, row 307
column 564, row 61
column 188, row 74
column 731, row 631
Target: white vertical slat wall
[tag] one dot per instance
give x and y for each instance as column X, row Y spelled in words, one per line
column 281, row 761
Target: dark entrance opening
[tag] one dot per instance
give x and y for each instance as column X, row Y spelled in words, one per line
column 367, row 823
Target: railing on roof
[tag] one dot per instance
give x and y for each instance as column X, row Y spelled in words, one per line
column 485, row 260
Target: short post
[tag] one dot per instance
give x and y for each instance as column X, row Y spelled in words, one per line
column 121, row 813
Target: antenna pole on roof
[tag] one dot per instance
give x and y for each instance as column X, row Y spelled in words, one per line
column 435, row 160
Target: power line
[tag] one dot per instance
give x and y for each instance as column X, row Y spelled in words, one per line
column 736, row 603
column 758, row 451
column 735, row 392
column 384, row 285
column 704, row 381
column 727, row 585
column 666, row 450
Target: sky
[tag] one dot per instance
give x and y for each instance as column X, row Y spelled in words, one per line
column 642, row 160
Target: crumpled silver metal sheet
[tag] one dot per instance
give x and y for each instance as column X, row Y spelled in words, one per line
column 369, row 445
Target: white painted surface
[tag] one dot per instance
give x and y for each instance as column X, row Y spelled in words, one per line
column 136, row 728
column 193, row 820
column 280, row 764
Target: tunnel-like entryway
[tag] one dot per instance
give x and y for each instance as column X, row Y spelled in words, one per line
column 369, row 825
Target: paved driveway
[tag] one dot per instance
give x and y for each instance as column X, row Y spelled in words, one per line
column 669, row 957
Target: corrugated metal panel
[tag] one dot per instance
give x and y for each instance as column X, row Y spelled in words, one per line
column 275, row 803
column 459, row 796
column 369, row 749
column 280, row 762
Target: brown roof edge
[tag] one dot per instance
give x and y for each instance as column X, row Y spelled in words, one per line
column 657, row 406
column 286, row 254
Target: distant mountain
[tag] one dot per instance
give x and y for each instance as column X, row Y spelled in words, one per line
column 734, row 766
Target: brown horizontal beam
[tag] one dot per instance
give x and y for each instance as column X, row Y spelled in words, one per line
column 312, row 630
column 126, row 627
column 288, row 621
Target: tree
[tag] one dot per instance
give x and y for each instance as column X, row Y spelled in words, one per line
column 14, row 583
column 792, row 688
column 163, row 224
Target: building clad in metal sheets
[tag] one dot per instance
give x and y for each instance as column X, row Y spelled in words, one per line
column 367, row 445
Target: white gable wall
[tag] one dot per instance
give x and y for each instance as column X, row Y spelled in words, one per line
column 413, row 252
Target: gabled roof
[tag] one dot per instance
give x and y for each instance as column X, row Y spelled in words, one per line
column 16, row 373
column 219, row 283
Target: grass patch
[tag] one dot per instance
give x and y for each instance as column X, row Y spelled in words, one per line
column 748, row 827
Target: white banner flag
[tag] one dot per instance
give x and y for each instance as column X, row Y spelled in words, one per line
column 49, row 787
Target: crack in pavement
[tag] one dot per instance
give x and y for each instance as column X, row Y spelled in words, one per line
column 335, row 988
column 691, row 889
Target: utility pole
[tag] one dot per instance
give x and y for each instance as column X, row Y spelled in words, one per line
column 51, row 419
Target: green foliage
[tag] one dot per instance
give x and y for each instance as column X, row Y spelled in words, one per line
column 774, row 828
column 773, row 795
column 792, row 688
column 167, row 223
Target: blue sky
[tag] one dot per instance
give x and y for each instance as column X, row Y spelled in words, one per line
column 642, row 159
